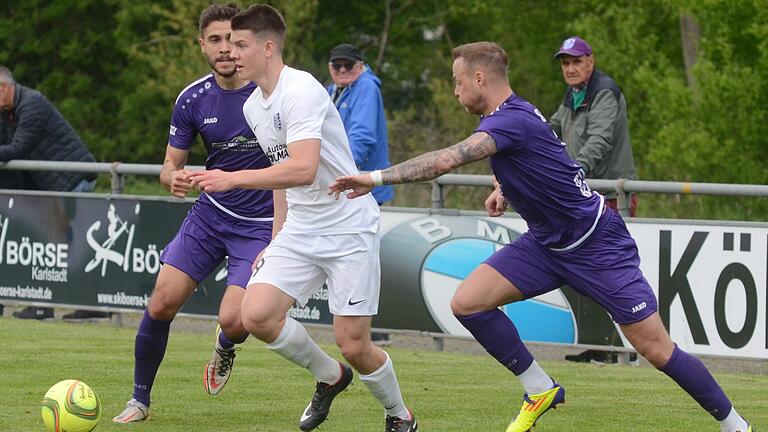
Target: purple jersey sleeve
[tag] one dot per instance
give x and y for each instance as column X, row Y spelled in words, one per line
column 508, row 136
column 183, row 126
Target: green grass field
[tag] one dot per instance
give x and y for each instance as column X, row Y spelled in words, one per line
column 448, row 392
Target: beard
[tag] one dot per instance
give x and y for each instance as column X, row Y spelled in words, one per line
column 227, row 74
column 474, row 105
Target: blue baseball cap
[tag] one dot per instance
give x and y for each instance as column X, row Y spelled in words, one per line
column 574, row 46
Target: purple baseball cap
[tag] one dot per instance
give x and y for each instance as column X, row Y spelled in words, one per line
column 574, row 46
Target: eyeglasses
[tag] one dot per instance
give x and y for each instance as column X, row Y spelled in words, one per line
column 337, row 66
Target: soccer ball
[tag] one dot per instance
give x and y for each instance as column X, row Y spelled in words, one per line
column 70, row 406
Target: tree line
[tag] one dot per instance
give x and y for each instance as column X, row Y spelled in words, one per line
column 693, row 72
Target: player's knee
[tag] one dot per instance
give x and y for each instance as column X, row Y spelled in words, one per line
column 253, row 325
column 260, row 325
column 161, row 308
column 655, row 355
column 354, row 350
column 231, row 323
column 461, row 305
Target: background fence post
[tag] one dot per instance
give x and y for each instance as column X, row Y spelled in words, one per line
column 622, row 198
column 117, row 189
column 437, row 195
column 117, row 179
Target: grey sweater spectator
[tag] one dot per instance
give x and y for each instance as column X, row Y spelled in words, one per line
column 592, row 120
column 32, row 128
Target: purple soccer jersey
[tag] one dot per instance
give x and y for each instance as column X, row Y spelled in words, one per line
column 570, row 240
column 217, row 115
column 235, row 224
column 537, row 176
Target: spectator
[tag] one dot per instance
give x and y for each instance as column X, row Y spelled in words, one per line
column 33, row 129
column 356, row 92
column 592, row 120
column 9, row 179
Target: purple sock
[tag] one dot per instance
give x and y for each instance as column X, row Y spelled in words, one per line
column 228, row 343
column 691, row 374
column 151, row 340
column 498, row 335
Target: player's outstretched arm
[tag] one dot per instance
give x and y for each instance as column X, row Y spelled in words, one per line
column 298, row 169
column 428, row 166
column 358, row 184
column 173, row 176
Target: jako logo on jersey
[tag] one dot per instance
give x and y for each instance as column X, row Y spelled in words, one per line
column 210, row 120
column 277, row 122
column 638, row 308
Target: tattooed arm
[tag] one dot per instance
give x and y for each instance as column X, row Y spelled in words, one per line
column 430, row 165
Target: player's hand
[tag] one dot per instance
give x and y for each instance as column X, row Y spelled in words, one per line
column 495, row 204
column 213, row 180
column 359, row 185
column 180, row 184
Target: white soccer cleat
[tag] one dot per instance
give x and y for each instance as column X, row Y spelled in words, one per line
column 218, row 370
column 134, row 411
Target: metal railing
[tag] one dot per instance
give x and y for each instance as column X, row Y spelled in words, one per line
column 622, row 187
column 116, row 170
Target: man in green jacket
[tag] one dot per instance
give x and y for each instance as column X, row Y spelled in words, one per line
column 592, row 120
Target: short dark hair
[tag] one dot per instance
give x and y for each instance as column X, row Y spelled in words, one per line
column 262, row 18
column 488, row 54
column 217, row 12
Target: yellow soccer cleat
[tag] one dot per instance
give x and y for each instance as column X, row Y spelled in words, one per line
column 534, row 406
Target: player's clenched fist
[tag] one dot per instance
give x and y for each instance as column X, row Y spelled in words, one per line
column 359, row 185
column 495, row 204
column 180, row 184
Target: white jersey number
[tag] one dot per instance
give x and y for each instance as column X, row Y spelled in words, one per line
column 578, row 180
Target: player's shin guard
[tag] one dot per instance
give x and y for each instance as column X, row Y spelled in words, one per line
column 498, row 335
column 294, row 344
column 691, row 374
column 383, row 385
column 149, row 350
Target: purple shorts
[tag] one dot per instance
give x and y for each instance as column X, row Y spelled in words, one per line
column 605, row 268
column 208, row 235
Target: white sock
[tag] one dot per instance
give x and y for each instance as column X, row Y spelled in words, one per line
column 294, row 344
column 535, row 380
column 384, row 386
column 733, row 423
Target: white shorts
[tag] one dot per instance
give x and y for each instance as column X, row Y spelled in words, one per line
column 299, row 264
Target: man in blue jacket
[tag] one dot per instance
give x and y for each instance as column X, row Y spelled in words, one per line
column 356, row 92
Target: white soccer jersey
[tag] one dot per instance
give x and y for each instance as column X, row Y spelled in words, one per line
column 299, row 108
